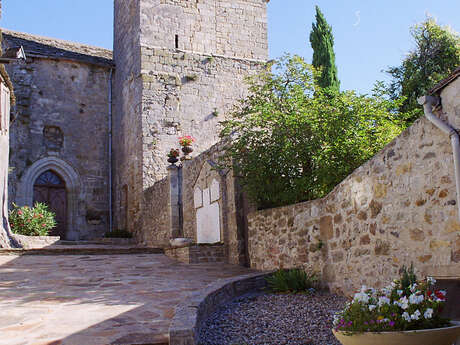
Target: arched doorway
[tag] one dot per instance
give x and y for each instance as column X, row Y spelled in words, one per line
column 71, row 180
column 50, row 189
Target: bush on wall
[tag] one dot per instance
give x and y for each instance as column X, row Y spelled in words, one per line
column 291, row 141
column 32, row 221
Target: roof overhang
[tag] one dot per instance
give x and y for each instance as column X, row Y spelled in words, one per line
column 13, row 54
column 443, row 83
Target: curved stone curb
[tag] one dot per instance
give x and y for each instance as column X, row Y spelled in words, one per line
column 190, row 314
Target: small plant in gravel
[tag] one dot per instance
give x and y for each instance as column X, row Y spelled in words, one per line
column 293, row 280
column 406, row 304
column 32, row 221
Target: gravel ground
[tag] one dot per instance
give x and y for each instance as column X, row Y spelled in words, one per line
column 274, row 319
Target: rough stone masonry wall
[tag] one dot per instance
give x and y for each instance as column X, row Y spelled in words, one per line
column 127, row 123
column 200, row 172
column 399, row 207
column 186, row 94
column 62, row 112
column 235, row 28
column 164, row 92
column 157, row 222
column 4, row 151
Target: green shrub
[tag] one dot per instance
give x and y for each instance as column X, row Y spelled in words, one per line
column 32, row 221
column 120, row 233
column 290, row 141
column 293, row 280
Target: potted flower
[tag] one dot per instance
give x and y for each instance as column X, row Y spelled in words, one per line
column 173, row 156
column 407, row 312
column 186, row 143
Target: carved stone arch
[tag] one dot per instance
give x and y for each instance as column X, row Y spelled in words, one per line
column 72, row 181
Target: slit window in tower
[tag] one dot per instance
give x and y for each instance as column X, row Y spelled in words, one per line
column 177, row 41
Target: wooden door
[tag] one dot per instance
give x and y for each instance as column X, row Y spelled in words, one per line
column 50, row 189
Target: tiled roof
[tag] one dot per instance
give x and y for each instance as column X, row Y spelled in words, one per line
column 443, row 83
column 38, row 46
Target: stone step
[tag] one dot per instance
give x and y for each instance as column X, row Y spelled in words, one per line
column 100, row 241
column 83, row 250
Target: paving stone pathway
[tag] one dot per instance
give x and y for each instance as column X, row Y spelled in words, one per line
column 96, row 299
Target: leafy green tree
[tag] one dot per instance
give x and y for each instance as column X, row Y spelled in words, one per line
column 322, row 42
column 288, row 146
column 435, row 56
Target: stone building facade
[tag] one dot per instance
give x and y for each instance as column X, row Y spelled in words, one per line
column 6, row 100
column 180, row 67
column 60, row 134
column 398, row 208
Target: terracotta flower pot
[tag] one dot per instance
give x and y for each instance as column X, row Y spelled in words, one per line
column 435, row 336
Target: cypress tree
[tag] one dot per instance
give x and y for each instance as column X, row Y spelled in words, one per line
column 322, row 42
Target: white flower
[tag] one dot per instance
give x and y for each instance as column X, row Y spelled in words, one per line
column 404, row 302
column 416, row 299
column 428, row 313
column 413, row 287
column 400, row 292
column 372, row 307
column 416, row 315
column 361, row 297
column 406, row 316
column 431, row 280
column 383, row 300
column 393, row 284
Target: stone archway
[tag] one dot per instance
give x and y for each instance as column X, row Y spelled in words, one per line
column 25, row 192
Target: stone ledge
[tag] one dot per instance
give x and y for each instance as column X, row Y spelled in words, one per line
column 192, row 253
column 36, row 242
column 190, row 314
column 82, row 250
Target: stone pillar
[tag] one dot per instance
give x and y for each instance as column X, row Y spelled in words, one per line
column 175, row 200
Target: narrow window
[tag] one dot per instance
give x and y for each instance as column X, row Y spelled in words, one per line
column 177, row 41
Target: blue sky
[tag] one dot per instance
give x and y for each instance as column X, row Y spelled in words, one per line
column 370, row 35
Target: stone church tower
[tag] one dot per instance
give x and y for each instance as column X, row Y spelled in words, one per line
column 180, row 67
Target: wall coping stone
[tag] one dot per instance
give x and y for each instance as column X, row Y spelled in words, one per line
column 191, row 313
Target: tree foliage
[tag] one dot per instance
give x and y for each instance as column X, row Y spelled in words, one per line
column 288, row 146
column 322, row 42
column 435, row 56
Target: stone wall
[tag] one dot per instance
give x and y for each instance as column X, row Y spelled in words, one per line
column 169, row 90
column 236, row 28
column 5, row 238
column 127, row 124
column 161, row 207
column 199, row 174
column 157, row 219
column 196, row 254
column 398, row 208
column 61, row 124
column 186, row 94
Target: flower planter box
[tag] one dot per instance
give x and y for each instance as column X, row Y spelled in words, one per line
column 436, row 336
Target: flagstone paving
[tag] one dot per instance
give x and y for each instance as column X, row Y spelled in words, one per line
column 96, row 300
